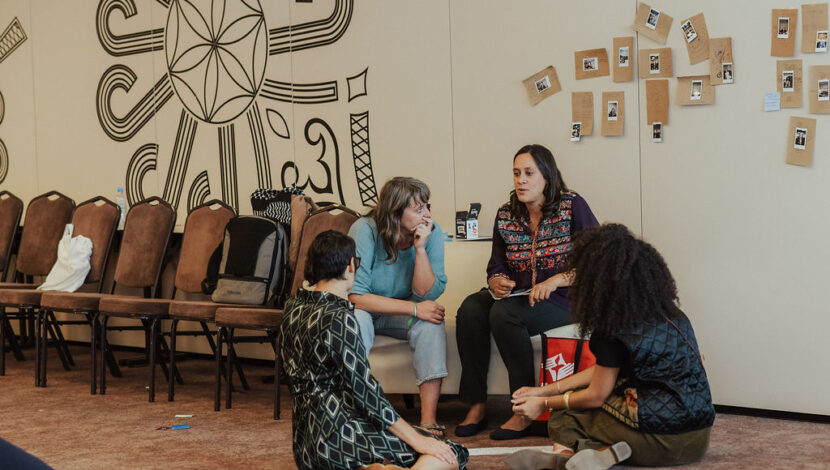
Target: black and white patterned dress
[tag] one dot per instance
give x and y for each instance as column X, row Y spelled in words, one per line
column 340, row 414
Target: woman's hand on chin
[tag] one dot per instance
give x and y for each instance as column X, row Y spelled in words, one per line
column 421, row 234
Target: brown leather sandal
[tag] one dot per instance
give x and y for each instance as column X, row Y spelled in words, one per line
column 430, row 427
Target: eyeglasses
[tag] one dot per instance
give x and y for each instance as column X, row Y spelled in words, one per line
column 356, row 262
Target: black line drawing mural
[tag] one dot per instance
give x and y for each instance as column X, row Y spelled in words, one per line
column 362, row 158
column 216, row 55
column 11, row 39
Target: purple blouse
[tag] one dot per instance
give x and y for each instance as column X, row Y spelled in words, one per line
column 525, row 258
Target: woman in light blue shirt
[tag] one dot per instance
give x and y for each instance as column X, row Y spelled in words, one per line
column 400, row 277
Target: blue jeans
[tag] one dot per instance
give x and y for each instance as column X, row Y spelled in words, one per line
column 427, row 340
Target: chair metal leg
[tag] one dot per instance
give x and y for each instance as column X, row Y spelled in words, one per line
column 242, row 380
column 154, row 344
column 104, row 347
column 61, row 340
column 170, row 379
column 60, row 348
column 217, row 396
column 229, row 370
column 38, row 346
column 277, row 362
column 3, row 322
column 93, row 339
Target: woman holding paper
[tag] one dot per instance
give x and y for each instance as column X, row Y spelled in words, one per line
column 531, row 241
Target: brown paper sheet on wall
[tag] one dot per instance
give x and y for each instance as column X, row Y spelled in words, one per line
column 819, row 72
column 790, row 99
column 613, row 128
column 797, row 156
column 552, row 85
column 657, row 101
column 783, row 47
column 664, row 59
column 720, row 52
column 600, row 61
column 698, row 48
column 684, row 93
column 661, row 29
column 582, row 110
column 813, row 20
column 620, row 73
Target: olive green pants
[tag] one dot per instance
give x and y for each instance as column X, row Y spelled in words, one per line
column 594, row 428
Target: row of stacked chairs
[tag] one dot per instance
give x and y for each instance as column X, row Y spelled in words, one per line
column 141, row 259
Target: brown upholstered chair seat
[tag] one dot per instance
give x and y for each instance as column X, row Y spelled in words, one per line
column 70, row 301
column 248, row 317
column 20, row 297
column 126, row 306
column 199, row 310
column 17, row 285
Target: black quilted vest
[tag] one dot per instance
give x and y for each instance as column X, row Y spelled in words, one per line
column 667, row 392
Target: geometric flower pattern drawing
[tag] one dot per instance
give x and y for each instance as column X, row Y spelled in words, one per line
column 216, row 55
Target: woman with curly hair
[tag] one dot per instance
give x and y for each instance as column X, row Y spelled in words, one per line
column 531, row 241
column 647, row 398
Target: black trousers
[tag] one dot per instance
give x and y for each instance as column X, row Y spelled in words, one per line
column 512, row 322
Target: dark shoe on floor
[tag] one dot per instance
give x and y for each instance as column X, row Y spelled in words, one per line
column 502, row 434
column 590, row 459
column 536, row 459
column 468, row 430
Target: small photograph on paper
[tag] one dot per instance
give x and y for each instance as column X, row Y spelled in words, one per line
column 783, row 27
column 576, row 131
column 657, row 132
column 612, row 110
column 824, row 90
column 787, row 80
column 821, row 41
column 589, row 64
column 542, row 84
column 727, row 72
column 697, row 90
column 689, row 31
column 654, row 63
column 653, row 16
column 800, row 138
column 624, row 56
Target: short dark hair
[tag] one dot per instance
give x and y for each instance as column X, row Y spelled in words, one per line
column 328, row 256
column 619, row 281
column 554, row 184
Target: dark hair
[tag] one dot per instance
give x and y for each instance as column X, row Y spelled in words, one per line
column 619, row 281
column 328, row 256
column 395, row 196
column 554, row 184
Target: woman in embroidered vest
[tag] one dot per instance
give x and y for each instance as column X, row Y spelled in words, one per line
column 341, row 418
column 531, row 240
column 401, row 276
column 647, row 397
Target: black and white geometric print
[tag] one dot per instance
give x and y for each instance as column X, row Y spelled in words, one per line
column 340, row 414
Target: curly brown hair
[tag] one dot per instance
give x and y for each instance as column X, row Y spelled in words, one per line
column 620, row 280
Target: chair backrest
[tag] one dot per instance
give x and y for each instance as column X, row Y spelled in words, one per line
column 203, row 232
column 97, row 219
column 11, row 208
column 46, row 218
column 301, row 207
column 146, row 235
column 318, row 222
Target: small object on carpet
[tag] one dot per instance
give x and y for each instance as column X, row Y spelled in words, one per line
column 180, row 426
column 163, row 428
column 183, row 416
column 504, row 450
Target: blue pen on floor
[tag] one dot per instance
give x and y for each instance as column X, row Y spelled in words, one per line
column 181, row 426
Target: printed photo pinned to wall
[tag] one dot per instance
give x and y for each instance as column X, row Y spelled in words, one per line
column 787, row 81
column 689, row 31
column 824, row 90
column 697, row 90
column 652, row 23
column 591, row 63
column 783, row 27
column 694, row 90
column 800, row 142
column 624, row 56
column 821, row 41
column 657, row 132
column 653, row 18
column 576, row 131
column 720, row 61
column 612, row 110
column 727, row 72
column 623, row 69
column 654, row 63
column 541, row 85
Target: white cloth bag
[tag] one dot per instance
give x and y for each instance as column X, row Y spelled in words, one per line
column 72, row 266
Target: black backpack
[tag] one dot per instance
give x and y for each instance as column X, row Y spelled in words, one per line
column 249, row 265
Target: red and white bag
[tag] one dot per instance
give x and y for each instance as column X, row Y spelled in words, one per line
column 562, row 357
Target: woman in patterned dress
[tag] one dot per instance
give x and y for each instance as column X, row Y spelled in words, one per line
column 531, row 241
column 341, row 418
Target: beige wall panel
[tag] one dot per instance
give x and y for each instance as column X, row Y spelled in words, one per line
column 17, row 123
column 494, row 47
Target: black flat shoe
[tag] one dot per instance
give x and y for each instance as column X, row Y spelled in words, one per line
column 502, row 434
column 468, row 430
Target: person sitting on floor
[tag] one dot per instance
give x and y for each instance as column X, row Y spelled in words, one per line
column 401, row 276
column 647, row 398
column 341, row 418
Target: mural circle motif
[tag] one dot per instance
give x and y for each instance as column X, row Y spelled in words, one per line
column 216, row 53
column 2, row 108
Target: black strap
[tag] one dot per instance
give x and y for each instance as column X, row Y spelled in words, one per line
column 578, row 354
